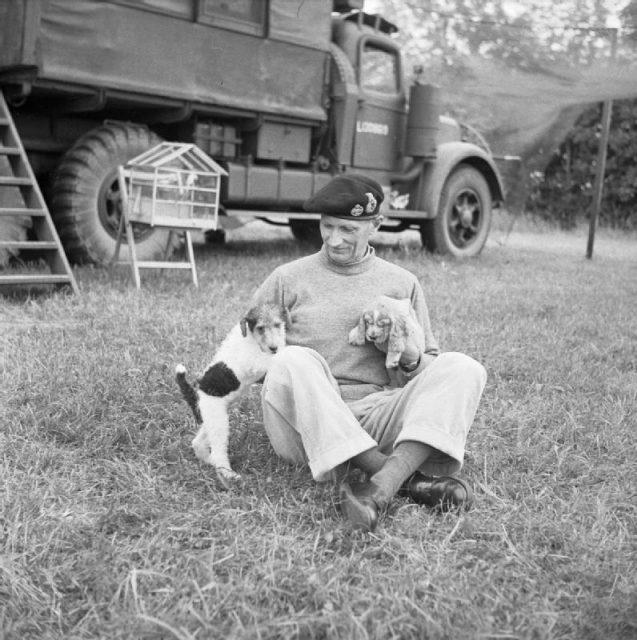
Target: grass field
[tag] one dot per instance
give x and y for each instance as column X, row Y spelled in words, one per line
column 110, row 528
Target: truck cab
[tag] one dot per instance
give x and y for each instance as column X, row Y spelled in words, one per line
column 377, row 131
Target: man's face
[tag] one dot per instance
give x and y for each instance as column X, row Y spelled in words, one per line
column 346, row 240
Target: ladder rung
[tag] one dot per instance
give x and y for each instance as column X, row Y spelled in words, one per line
column 12, row 181
column 28, row 244
column 9, row 151
column 4, row 121
column 35, row 278
column 21, row 211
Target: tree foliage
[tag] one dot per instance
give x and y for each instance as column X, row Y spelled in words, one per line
column 563, row 192
column 629, row 20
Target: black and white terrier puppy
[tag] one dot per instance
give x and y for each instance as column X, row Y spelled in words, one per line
column 242, row 359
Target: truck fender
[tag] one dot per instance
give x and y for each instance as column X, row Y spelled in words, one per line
column 449, row 155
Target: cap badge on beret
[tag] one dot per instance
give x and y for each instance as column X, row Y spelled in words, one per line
column 371, row 203
column 370, row 207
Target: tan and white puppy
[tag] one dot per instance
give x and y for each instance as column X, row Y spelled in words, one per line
column 388, row 323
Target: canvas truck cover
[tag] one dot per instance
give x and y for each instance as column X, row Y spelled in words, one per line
column 174, row 49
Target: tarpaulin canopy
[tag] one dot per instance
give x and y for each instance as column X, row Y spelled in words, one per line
column 157, row 48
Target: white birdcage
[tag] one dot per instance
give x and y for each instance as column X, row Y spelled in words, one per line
column 174, row 185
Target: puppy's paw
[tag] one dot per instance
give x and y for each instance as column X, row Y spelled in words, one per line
column 201, row 450
column 228, row 478
column 392, row 360
column 356, row 338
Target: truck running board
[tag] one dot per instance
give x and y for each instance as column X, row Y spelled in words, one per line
column 20, row 197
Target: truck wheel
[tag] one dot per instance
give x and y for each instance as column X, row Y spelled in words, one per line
column 86, row 203
column 307, row 232
column 464, row 215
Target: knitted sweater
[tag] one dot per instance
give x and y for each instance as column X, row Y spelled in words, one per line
column 325, row 301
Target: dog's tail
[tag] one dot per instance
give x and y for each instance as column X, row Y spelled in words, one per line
column 188, row 391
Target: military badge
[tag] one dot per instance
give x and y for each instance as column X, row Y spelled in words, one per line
column 371, row 203
column 357, row 210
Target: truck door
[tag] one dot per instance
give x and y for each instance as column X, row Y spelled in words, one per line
column 380, row 122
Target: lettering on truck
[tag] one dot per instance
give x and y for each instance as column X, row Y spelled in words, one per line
column 378, row 128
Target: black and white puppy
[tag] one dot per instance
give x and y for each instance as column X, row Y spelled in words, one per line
column 242, row 359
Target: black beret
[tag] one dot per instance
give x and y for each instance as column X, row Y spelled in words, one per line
column 347, row 196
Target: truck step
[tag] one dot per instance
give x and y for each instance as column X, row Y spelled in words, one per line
column 29, row 244
column 35, row 278
column 21, row 211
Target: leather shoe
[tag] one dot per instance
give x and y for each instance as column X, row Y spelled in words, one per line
column 359, row 505
column 442, row 492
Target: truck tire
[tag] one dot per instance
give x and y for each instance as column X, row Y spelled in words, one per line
column 341, row 65
column 464, row 215
column 86, row 203
column 307, row 232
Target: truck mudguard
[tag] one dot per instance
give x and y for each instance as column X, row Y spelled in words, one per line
column 449, row 156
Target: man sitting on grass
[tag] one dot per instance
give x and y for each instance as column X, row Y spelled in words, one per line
column 329, row 404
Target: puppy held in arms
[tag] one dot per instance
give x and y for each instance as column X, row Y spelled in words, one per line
column 242, row 359
column 388, row 322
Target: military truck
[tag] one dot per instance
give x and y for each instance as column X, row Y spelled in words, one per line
column 284, row 94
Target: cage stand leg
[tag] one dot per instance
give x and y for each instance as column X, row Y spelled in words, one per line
column 191, row 258
column 133, row 253
column 118, row 243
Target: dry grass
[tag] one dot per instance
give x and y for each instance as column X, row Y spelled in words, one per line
column 110, row 528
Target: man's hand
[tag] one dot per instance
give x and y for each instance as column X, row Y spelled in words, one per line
column 411, row 353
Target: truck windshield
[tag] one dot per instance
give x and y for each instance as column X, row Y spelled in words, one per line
column 379, row 69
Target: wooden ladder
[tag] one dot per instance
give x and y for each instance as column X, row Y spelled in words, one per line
column 16, row 173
